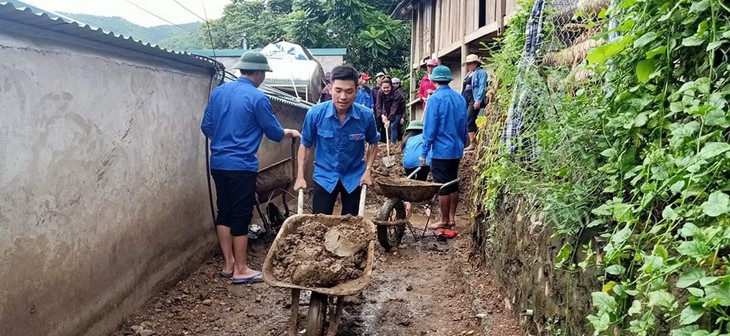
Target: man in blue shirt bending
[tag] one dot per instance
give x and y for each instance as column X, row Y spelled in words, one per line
column 444, row 134
column 235, row 120
column 336, row 133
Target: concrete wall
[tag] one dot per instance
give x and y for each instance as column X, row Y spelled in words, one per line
column 103, row 195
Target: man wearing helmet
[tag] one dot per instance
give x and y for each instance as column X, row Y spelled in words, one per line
column 444, row 137
column 238, row 115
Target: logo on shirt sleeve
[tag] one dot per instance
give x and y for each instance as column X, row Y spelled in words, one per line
column 357, row 136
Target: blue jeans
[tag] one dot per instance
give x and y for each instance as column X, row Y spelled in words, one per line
column 394, row 128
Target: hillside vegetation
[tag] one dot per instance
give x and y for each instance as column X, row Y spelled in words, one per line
column 180, row 37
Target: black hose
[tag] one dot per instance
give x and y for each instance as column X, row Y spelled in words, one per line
column 207, row 175
column 219, row 73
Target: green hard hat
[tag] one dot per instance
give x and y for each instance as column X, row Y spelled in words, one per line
column 441, row 73
column 415, row 125
column 253, row 60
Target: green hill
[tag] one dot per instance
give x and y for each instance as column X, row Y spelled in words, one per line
column 180, row 37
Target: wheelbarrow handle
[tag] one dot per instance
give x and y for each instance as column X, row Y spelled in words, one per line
column 449, row 183
column 414, row 173
column 361, row 208
column 300, row 202
column 294, row 147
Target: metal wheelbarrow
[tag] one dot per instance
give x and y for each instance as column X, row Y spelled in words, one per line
column 273, row 181
column 319, row 301
column 391, row 221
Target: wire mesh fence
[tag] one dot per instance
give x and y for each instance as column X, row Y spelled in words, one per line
column 559, row 34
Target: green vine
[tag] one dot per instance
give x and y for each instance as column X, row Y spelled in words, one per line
column 641, row 155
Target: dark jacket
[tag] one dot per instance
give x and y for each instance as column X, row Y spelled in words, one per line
column 376, row 96
column 391, row 105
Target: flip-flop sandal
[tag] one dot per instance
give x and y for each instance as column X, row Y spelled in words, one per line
column 223, row 274
column 449, row 233
column 250, row 280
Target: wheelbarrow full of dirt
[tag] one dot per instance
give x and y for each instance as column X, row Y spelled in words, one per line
column 318, row 253
column 391, row 220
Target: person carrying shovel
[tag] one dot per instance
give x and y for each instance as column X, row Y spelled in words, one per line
column 235, row 120
column 337, row 133
column 444, row 137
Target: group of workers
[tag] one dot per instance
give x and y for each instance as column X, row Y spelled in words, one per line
column 341, row 135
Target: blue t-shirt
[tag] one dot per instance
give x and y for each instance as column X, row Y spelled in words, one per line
column 339, row 148
column 444, row 128
column 235, row 120
column 364, row 97
column 412, row 152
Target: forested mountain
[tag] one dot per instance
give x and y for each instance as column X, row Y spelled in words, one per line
column 180, row 37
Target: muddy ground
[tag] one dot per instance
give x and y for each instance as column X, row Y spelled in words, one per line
column 426, row 288
column 420, row 288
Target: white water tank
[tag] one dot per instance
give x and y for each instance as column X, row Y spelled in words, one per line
column 295, row 70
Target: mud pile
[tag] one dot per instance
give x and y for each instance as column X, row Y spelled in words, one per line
column 321, row 255
column 380, row 170
column 467, row 174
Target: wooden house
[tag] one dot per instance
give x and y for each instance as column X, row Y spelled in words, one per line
column 449, row 30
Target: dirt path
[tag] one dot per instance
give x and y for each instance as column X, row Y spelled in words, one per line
column 426, row 288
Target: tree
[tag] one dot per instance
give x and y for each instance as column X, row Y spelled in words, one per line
column 374, row 40
column 246, row 23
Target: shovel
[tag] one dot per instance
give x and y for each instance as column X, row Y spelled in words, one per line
column 336, row 243
column 388, row 161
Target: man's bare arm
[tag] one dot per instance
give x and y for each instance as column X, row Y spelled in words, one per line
column 302, row 155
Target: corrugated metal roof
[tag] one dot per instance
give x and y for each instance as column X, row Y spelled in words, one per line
column 35, row 18
column 239, row 52
column 276, row 94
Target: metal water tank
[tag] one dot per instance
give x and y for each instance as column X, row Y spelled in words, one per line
column 295, row 70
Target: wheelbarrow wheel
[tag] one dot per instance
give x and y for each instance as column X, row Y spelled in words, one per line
column 390, row 236
column 316, row 315
column 276, row 219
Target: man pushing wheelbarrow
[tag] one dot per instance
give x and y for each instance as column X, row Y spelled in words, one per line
column 336, row 133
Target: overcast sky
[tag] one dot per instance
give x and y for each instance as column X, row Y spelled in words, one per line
column 166, row 9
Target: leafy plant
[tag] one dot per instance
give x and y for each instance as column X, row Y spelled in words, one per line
column 641, row 154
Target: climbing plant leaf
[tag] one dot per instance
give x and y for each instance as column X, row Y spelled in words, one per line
column 717, row 204
column 691, row 314
column 644, row 69
column 690, row 278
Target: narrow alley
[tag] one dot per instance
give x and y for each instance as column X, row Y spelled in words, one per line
column 426, row 288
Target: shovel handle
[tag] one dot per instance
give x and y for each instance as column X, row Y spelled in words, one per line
column 361, row 208
column 300, row 202
column 387, row 141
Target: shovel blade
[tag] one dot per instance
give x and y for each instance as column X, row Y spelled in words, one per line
column 389, row 161
column 335, row 243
